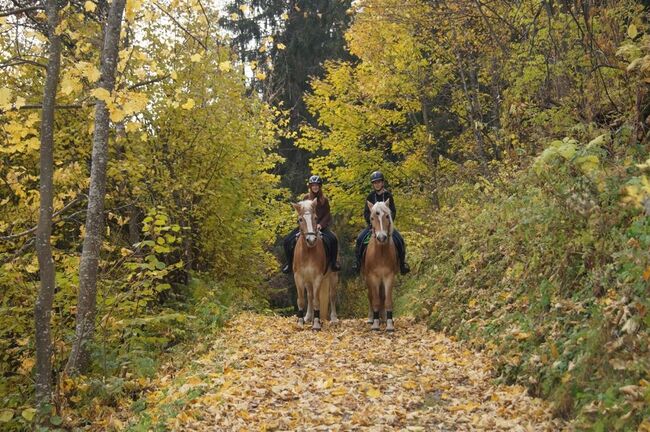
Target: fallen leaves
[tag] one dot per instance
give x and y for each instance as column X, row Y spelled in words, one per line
column 264, row 374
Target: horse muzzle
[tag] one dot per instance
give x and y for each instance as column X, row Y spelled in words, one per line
column 382, row 237
column 310, row 239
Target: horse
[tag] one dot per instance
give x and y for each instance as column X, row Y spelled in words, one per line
column 311, row 271
column 380, row 265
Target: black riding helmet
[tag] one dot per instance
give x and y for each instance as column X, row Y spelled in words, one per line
column 315, row 180
column 376, row 176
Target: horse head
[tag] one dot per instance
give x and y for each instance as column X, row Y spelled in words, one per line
column 307, row 220
column 381, row 220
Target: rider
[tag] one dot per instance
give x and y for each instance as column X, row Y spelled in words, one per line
column 379, row 193
column 324, row 220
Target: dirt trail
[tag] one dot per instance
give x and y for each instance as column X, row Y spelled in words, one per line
column 263, row 373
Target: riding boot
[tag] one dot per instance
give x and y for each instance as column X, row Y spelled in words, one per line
column 336, row 266
column 404, row 268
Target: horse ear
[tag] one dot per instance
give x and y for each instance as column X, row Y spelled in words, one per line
column 296, row 206
column 388, row 202
column 370, row 205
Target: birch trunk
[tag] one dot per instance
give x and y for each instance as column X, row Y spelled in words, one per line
column 86, row 303
column 43, row 307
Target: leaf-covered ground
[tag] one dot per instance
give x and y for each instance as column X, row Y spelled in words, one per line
column 263, row 373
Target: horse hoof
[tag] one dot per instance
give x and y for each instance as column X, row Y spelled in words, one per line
column 390, row 327
column 369, row 321
column 316, row 326
column 300, row 322
column 334, row 321
column 375, row 325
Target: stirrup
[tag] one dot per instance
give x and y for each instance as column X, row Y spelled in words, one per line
column 336, row 266
column 286, row 269
column 404, row 268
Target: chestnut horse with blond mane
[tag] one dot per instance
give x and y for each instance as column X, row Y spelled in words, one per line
column 380, row 265
column 311, row 271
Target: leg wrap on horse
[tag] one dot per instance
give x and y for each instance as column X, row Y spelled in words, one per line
column 300, row 313
column 389, row 315
column 316, row 314
column 375, row 315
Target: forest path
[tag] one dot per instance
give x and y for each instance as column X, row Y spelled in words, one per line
column 263, row 373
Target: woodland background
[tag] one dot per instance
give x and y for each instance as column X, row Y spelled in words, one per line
column 513, row 133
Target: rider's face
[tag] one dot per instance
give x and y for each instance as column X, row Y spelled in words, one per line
column 314, row 187
column 378, row 185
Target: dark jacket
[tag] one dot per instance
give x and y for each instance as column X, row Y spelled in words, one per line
column 322, row 208
column 373, row 197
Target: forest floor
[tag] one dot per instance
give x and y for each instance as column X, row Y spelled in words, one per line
column 263, row 373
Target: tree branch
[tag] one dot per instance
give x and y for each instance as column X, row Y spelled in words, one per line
column 21, row 10
column 31, row 230
column 180, row 26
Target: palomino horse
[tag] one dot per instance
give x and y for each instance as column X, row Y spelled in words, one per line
column 380, row 265
column 311, row 271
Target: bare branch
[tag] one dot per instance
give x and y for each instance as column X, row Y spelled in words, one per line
column 31, row 230
column 21, row 10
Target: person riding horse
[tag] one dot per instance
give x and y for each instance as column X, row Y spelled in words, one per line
column 315, row 184
column 379, row 193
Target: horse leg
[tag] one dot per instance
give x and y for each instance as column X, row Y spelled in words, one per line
column 310, row 303
column 369, row 302
column 300, row 290
column 332, row 284
column 316, row 302
column 382, row 300
column 388, row 286
column 374, row 286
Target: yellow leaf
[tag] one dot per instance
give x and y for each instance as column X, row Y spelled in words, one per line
column 117, row 114
column 174, row 75
column 284, row 16
column 646, row 274
column 5, row 98
column 101, row 94
column 244, row 8
column 189, row 104
column 196, row 58
column 6, row 415
column 90, row 6
column 566, row 378
column 469, row 407
column 281, row 46
column 20, row 102
column 409, row 385
column 522, row 335
column 373, row 392
column 29, row 413
column 27, row 365
column 632, row 31
column 234, row 16
column 70, row 84
column 225, row 66
column 260, row 76
column 338, row 391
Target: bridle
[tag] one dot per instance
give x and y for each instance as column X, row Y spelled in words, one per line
column 305, row 234
column 388, row 230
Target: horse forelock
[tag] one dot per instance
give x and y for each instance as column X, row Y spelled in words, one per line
column 306, row 206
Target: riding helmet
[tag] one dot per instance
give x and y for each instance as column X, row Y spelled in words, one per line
column 315, row 180
column 376, row 176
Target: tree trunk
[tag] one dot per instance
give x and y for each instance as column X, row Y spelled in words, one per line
column 43, row 308
column 87, row 296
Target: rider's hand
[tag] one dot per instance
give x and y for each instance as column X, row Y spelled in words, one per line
column 318, row 227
